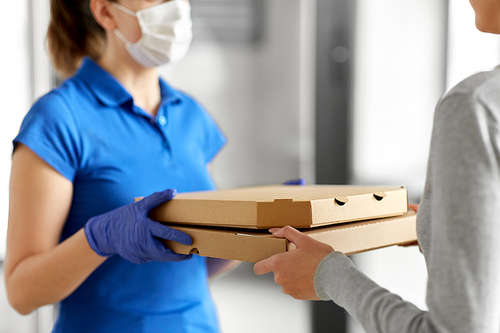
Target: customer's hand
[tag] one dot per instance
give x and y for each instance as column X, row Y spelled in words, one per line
column 294, row 270
column 414, row 207
column 128, row 232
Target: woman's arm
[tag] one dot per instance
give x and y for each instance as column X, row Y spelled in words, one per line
column 39, row 270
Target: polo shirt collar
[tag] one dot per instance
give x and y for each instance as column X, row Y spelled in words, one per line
column 110, row 91
column 169, row 95
column 104, row 86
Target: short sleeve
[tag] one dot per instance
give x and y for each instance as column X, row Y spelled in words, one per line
column 49, row 130
column 214, row 137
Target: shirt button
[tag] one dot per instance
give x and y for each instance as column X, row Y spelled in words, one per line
column 162, row 120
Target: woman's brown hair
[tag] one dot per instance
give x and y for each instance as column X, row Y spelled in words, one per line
column 73, row 33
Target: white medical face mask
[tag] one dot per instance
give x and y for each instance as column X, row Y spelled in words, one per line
column 167, row 31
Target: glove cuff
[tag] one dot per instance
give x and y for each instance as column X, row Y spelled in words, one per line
column 89, row 234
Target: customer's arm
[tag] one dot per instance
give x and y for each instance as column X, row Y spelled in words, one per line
column 39, row 270
column 462, row 203
column 461, row 208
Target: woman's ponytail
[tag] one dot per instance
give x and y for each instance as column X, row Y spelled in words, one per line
column 72, row 34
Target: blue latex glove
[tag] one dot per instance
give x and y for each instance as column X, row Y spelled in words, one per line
column 128, row 232
column 300, row 181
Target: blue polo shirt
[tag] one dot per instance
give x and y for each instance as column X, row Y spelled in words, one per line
column 90, row 131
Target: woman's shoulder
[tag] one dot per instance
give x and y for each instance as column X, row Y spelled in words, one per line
column 57, row 105
column 62, row 96
column 480, row 86
column 477, row 94
column 51, row 102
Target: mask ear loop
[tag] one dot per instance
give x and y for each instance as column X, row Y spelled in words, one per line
column 124, row 9
column 118, row 32
column 122, row 38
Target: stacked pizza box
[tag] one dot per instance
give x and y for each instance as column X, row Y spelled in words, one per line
column 234, row 223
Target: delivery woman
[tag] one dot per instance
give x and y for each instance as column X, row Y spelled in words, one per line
column 458, row 225
column 110, row 132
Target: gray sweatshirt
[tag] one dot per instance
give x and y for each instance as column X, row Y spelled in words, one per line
column 458, row 227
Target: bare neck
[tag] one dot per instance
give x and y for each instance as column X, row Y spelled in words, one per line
column 142, row 83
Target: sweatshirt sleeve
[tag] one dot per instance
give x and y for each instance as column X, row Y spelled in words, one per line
column 462, row 256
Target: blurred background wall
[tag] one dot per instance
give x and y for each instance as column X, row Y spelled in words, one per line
column 333, row 91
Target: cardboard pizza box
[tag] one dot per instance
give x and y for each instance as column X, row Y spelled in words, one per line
column 256, row 245
column 264, row 207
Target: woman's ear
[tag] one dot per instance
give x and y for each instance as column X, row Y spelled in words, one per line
column 103, row 14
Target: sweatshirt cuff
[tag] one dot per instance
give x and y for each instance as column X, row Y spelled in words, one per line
column 333, row 275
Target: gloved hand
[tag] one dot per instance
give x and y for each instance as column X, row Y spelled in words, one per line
column 128, row 232
column 300, row 181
